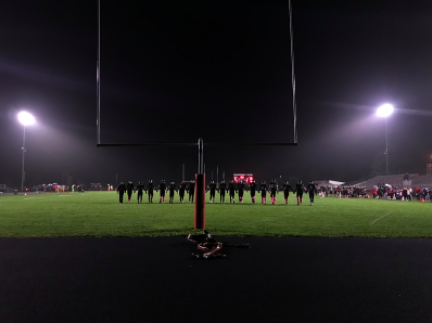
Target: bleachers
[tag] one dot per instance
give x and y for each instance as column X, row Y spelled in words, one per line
column 394, row 180
column 422, row 181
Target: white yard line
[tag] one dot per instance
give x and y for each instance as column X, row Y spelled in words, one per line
column 372, row 223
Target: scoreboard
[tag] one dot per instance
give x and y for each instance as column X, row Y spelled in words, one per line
column 247, row 178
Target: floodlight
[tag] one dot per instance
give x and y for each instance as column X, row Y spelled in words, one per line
column 385, row 110
column 26, row 118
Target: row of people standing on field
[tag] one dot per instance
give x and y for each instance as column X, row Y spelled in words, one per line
column 223, row 189
column 150, row 188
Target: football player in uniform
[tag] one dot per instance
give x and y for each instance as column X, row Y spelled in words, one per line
column 121, row 190
column 172, row 189
column 252, row 188
column 286, row 188
column 273, row 191
column 150, row 189
column 162, row 188
column 140, row 189
column 263, row 189
column 311, row 188
column 299, row 190
column 222, row 190
column 231, row 189
column 129, row 189
column 182, row 190
column 240, row 190
column 212, row 189
column 191, row 191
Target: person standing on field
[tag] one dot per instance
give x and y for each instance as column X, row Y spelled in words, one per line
column 191, row 191
column 231, row 189
column 129, row 188
column 273, row 191
column 182, row 191
column 253, row 188
column 240, row 190
column 172, row 189
column 222, row 190
column 150, row 189
column 140, row 189
column 121, row 190
column 299, row 191
column 286, row 188
column 162, row 188
column 212, row 189
column 311, row 188
column 263, row 189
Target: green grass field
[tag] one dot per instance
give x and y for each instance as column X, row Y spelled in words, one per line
column 99, row 214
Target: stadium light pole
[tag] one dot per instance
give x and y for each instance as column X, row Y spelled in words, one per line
column 385, row 111
column 26, row 119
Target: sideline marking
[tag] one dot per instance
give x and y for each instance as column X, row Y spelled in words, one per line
column 381, row 217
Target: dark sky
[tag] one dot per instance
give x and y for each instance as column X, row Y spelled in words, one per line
column 220, row 70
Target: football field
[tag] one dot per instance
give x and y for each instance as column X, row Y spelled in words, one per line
column 99, row 214
column 303, row 279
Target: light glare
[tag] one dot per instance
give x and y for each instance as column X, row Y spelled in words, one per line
column 385, row 110
column 26, row 118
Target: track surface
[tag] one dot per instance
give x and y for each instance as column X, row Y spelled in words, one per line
column 157, row 280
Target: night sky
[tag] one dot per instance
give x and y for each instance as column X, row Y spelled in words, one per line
column 220, row 70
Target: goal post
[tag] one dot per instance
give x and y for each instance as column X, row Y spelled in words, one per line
column 199, row 221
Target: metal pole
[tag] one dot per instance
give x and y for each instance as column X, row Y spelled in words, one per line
column 23, row 173
column 200, row 190
column 386, row 151
column 200, row 156
column 98, row 80
column 292, row 71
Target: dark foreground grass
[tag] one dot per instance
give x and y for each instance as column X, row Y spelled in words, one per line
column 99, row 214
